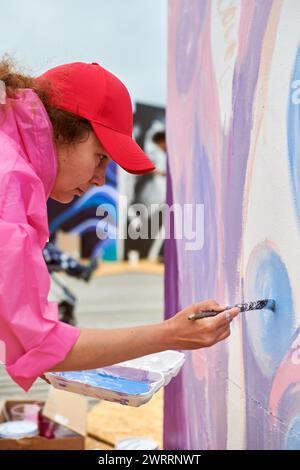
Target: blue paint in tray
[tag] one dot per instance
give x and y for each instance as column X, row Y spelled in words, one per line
column 106, row 381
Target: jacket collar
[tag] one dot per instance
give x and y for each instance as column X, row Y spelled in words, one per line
column 27, row 123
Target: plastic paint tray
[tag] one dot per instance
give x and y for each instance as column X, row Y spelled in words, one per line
column 167, row 363
column 120, row 384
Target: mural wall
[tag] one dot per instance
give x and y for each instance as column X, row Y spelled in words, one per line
column 233, row 129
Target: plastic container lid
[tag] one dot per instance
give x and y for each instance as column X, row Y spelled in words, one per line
column 126, row 385
column 167, row 363
column 18, row 429
column 136, row 443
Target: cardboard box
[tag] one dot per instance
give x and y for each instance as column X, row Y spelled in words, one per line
column 66, row 409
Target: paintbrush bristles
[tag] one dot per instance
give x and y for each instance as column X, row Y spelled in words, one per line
column 255, row 305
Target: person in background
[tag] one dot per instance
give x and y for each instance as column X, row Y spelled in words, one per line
column 159, row 139
column 151, row 187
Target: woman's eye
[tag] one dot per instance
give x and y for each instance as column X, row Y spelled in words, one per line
column 102, row 159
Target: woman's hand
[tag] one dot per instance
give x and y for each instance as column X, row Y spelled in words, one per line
column 101, row 347
column 204, row 332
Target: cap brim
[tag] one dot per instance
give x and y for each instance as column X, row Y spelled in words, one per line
column 123, row 150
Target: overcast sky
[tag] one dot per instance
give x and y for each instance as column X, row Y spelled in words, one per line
column 128, row 37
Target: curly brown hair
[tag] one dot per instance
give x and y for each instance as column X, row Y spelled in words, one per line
column 68, row 128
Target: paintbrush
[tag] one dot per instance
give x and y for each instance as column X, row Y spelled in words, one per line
column 245, row 307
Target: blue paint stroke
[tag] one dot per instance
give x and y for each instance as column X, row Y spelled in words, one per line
column 269, row 332
column 106, row 381
column 292, row 440
column 293, row 130
column 289, row 414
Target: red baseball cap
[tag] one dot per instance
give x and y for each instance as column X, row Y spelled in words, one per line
column 92, row 92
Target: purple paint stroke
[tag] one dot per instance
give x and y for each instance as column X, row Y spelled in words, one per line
column 209, row 416
column 237, row 143
column 190, row 22
column 175, row 420
column 198, row 268
column 207, row 428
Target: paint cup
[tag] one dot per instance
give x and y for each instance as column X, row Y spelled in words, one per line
column 133, row 257
column 18, row 429
column 47, row 427
column 136, row 443
column 25, row 412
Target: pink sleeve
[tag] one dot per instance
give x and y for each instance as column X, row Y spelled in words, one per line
column 33, row 338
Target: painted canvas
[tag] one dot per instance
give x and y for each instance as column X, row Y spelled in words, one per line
column 233, row 133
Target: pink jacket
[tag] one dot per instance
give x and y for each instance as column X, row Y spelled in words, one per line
column 33, row 337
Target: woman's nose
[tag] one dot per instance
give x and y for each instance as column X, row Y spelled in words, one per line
column 99, row 177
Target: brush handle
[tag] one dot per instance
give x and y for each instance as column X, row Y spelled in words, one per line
column 245, row 307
